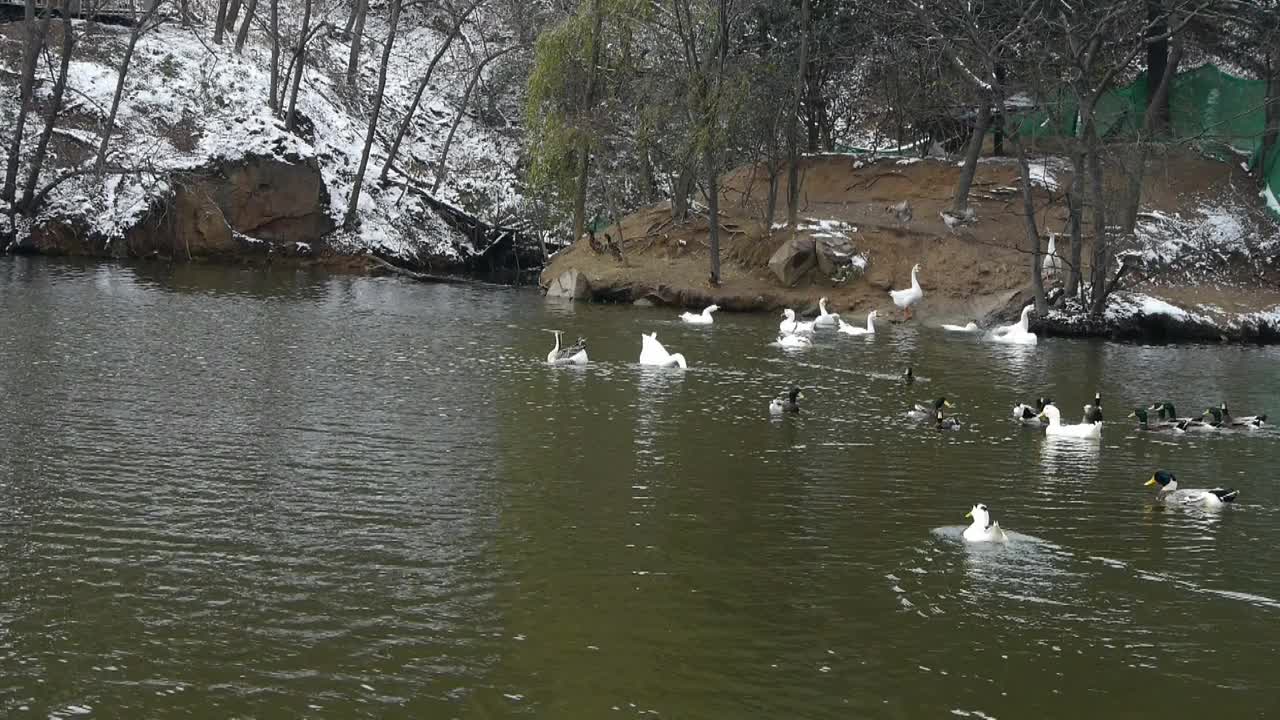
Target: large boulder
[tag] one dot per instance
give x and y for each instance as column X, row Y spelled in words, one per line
column 571, row 284
column 834, row 252
column 793, row 260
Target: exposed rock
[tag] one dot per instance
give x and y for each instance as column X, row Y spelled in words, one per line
column 834, row 253
column 793, row 260
column 570, row 284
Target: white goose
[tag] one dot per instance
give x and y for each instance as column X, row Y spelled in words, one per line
column 825, row 319
column 982, row 529
column 1018, row 333
column 652, row 353
column 576, row 354
column 971, row 327
column 1052, row 263
column 791, row 326
column 703, row 318
column 848, row 329
column 793, row 341
column 1056, row 428
column 906, row 298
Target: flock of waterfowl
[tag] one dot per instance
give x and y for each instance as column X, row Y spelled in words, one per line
column 795, row 332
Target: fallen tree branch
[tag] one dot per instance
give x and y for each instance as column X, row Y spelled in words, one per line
column 428, row 277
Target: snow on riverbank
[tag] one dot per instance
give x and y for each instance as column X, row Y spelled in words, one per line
column 190, row 104
column 1136, row 315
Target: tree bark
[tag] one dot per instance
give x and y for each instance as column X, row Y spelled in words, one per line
column 357, row 38
column 1270, row 150
column 971, row 155
column 1158, row 62
column 35, row 40
column 584, row 142
column 442, row 166
column 1153, row 120
column 1075, row 208
column 233, row 12
column 683, row 188
column 711, row 149
column 300, row 61
column 220, row 22
column 55, row 107
column 1033, row 232
column 243, row 35
column 354, row 202
column 793, row 140
column 1099, row 261
column 274, row 101
column 110, row 125
column 407, row 120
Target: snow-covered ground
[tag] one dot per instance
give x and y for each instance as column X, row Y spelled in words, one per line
column 190, row 103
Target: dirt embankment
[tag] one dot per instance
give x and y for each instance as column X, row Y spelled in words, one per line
column 972, row 271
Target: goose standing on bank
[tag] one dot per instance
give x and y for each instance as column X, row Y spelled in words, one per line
column 703, row 318
column 825, row 319
column 1169, row 492
column 854, row 330
column 912, row 295
column 1056, row 428
column 1052, row 267
column 575, row 354
column 982, row 529
column 652, row 353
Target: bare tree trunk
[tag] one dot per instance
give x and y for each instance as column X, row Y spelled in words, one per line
column 584, row 144
column 711, row 149
column 1154, row 120
column 771, row 205
column 793, row 139
column 233, row 12
column 354, row 202
column 357, row 37
column 35, row 40
column 441, row 167
column 55, row 107
column 407, row 120
column 300, row 60
column 109, row 127
column 713, row 211
column 1270, row 156
column 1033, row 232
column 683, row 188
column 971, row 155
column 220, row 22
column 1075, row 219
column 274, row 101
column 184, row 13
column 1159, row 65
column 243, row 35
column 1101, row 255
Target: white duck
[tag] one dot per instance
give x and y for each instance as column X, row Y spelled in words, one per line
column 971, row 327
column 793, row 341
column 1056, row 428
column 791, row 326
column 703, row 318
column 1018, row 333
column 906, row 298
column 576, row 354
column 982, row 529
column 848, row 329
column 1169, row 492
column 825, row 319
column 652, row 353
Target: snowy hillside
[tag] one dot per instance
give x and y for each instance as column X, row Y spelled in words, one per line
column 191, row 104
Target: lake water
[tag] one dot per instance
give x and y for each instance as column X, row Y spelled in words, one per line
column 271, row 493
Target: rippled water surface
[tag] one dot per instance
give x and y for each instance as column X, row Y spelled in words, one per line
column 268, row 493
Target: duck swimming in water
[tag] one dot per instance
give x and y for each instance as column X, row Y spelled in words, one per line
column 1093, row 411
column 848, row 329
column 780, row 406
column 791, row 326
column 703, row 318
column 1143, row 417
column 1223, row 418
column 1055, row 427
column 908, row 377
column 575, row 354
column 825, row 319
column 793, row 341
column 1170, row 493
column 1027, row 415
column 982, row 529
column 920, row 411
column 947, row 423
column 971, row 327
column 653, row 353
